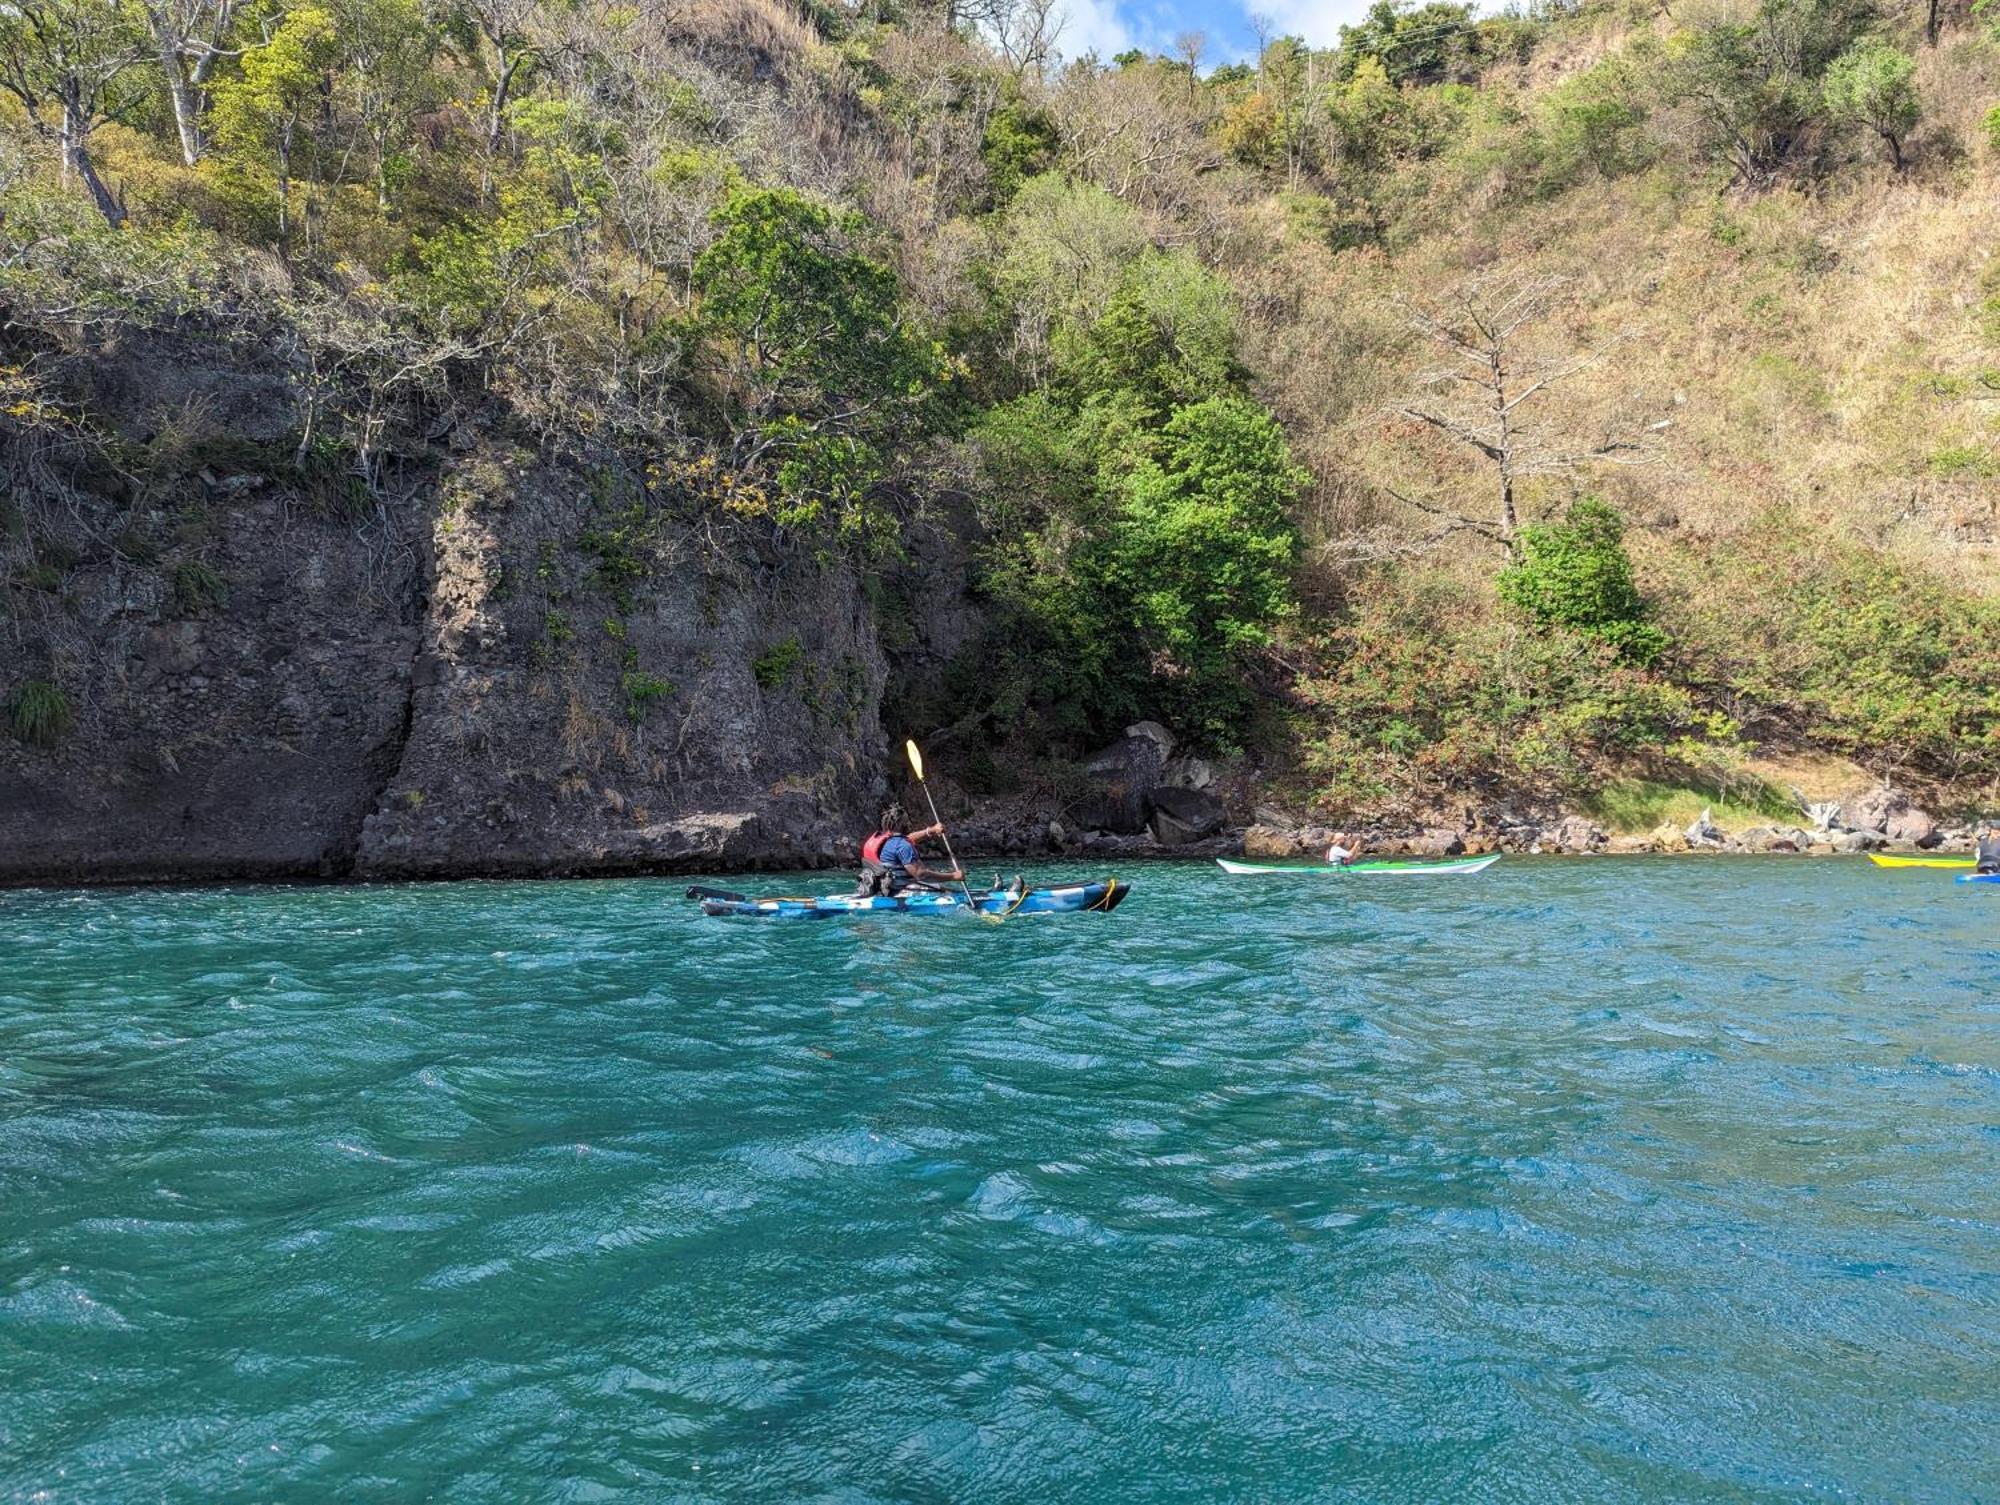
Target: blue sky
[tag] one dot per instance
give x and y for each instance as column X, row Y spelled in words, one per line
column 1111, row 26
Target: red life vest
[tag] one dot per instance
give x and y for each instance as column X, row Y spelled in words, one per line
column 871, row 849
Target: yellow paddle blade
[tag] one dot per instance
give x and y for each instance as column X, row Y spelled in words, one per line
column 916, row 760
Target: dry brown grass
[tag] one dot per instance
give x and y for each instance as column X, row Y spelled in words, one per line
column 1805, row 345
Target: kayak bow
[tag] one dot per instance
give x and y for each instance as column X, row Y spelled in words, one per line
column 1387, row 867
column 1100, row 897
column 1977, row 878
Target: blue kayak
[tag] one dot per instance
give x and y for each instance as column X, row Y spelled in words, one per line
column 1100, row 897
column 1977, row 878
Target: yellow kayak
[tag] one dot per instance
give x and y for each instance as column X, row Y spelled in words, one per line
column 1880, row 861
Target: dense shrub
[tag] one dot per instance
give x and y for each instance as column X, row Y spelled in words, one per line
column 1421, row 692
column 1575, row 574
column 1846, row 648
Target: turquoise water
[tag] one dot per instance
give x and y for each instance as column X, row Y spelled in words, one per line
column 1597, row 1181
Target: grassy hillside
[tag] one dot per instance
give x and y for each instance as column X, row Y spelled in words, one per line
column 1208, row 356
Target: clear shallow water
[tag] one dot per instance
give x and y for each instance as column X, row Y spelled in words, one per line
column 1574, row 1181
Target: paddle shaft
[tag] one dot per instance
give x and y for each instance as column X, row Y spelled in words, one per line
column 925, row 786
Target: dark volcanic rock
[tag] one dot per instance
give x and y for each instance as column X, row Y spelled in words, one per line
column 457, row 687
column 1181, row 816
column 1120, row 776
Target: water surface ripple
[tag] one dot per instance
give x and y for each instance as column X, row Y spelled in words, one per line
column 1612, row 1181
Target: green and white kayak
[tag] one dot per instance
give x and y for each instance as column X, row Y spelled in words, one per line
column 1386, row 867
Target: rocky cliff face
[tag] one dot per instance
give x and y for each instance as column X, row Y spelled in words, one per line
column 517, row 665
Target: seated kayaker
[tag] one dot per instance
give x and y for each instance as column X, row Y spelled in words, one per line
column 889, row 860
column 1986, row 855
column 1342, row 851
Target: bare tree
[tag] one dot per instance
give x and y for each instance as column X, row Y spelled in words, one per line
column 187, row 38
column 1026, row 32
column 1491, row 395
column 66, row 58
column 1124, row 130
column 505, row 46
column 1263, row 26
column 1189, row 47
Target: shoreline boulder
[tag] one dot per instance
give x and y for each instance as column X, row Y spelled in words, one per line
column 1179, row 816
column 1121, row 775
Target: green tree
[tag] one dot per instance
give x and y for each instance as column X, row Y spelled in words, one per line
column 1874, row 84
column 1202, row 554
column 1168, row 333
column 819, row 373
column 1020, row 141
column 1576, row 574
column 389, row 56
column 263, row 115
column 1754, row 86
column 1589, row 123
column 1425, row 44
column 190, row 37
column 68, row 63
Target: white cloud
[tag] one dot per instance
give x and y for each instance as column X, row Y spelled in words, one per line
column 1093, row 26
column 1318, row 21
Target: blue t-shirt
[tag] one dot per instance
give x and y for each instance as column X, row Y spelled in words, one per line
column 897, row 852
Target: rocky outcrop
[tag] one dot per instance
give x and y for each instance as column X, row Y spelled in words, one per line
column 1120, row 777
column 717, row 712
column 1762, row 839
column 1890, row 813
column 1704, row 834
column 238, row 708
column 515, row 664
column 1183, row 816
column 1574, row 834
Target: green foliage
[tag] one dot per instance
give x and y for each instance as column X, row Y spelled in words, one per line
column 620, row 549
column 1633, row 805
column 1874, row 84
column 1848, row 649
column 1138, row 510
column 1376, row 125
column 1201, row 555
column 1590, row 123
column 825, row 375
column 642, row 691
column 1021, row 141
column 1420, row 693
column 1575, row 574
column 197, row 587
column 1412, row 44
column 467, row 276
column 1168, row 334
column 39, row 713
column 1977, row 460
column 778, row 663
column 260, row 117
column 1064, row 249
column 1754, row 86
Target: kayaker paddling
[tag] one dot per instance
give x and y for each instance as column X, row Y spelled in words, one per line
column 1343, row 850
column 1986, row 854
column 890, row 862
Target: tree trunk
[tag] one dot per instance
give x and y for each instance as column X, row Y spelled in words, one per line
column 107, row 203
column 187, row 105
column 1509, row 519
column 1895, row 149
column 76, row 159
column 1933, row 22
column 285, row 191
